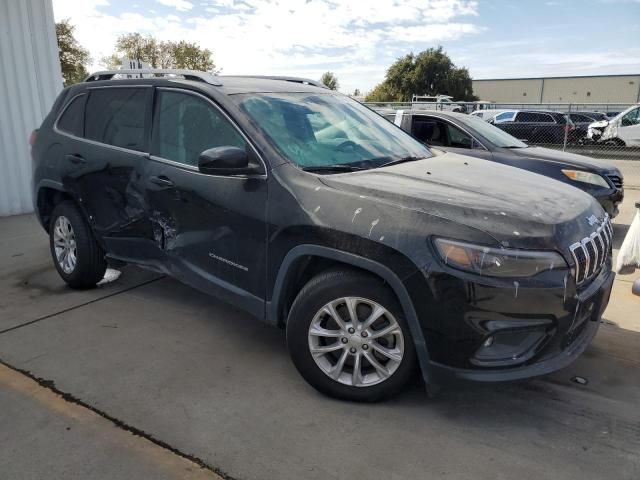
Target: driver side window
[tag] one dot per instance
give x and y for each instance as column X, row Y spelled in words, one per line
column 631, row 118
column 439, row 133
column 185, row 125
column 457, row 138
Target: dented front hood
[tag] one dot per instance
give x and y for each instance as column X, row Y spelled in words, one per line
column 516, row 207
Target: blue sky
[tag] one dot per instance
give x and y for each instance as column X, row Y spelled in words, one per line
column 359, row 39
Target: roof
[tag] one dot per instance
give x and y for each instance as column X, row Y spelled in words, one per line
column 244, row 84
column 229, row 85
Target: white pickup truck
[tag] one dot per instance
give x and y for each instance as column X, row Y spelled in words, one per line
column 438, row 102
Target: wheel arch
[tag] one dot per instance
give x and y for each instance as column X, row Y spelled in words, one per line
column 296, row 265
column 48, row 195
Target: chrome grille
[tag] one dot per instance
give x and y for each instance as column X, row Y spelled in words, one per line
column 590, row 253
column 616, row 180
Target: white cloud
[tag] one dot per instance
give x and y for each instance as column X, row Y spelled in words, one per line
column 180, row 5
column 355, row 39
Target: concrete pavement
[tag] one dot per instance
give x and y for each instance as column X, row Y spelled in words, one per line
column 207, row 385
column 44, row 435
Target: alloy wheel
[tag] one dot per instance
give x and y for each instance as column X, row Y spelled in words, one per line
column 356, row 342
column 64, row 243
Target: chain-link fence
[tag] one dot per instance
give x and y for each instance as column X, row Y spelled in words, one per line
column 609, row 132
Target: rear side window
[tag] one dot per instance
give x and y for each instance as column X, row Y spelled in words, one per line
column 576, row 117
column 116, row 116
column 186, row 125
column 429, row 131
column 72, row 119
column 504, row 117
column 534, row 117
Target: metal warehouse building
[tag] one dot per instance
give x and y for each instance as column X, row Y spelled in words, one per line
column 30, row 79
column 587, row 89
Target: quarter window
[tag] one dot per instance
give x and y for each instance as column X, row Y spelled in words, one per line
column 116, row 116
column 186, row 125
column 72, row 120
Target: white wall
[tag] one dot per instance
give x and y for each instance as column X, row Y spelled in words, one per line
column 30, row 79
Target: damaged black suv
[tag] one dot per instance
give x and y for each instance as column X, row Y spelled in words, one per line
column 315, row 214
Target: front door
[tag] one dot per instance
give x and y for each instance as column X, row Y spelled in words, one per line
column 212, row 228
column 629, row 129
column 443, row 134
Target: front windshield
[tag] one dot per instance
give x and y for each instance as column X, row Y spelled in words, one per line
column 496, row 136
column 323, row 130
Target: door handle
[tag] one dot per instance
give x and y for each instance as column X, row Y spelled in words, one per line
column 76, row 159
column 162, row 181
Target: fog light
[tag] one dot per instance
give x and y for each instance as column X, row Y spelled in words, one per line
column 488, row 342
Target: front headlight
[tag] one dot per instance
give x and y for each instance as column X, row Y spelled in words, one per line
column 497, row 262
column 586, row 177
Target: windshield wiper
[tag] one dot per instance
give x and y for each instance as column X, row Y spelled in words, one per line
column 340, row 167
column 401, row 160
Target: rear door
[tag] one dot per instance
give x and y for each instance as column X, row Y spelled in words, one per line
column 211, row 228
column 103, row 163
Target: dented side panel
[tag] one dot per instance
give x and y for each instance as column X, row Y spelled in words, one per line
column 212, row 230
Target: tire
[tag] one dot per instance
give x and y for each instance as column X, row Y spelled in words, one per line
column 614, row 142
column 369, row 294
column 77, row 257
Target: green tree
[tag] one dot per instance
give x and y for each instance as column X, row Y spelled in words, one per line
column 430, row 72
column 191, row 56
column 162, row 54
column 329, row 80
column 356, row 92
column 382, row 93
column 73, row 57
column 111, row 62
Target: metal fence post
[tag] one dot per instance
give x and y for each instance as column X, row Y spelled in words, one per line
column 566, row 129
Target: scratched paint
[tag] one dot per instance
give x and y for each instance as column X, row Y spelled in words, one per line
column 356, row 212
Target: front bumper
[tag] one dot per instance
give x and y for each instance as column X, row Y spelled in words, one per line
column 610, row 201
column 562, row 337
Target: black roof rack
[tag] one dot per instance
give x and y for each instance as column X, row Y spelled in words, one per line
column 186, row 74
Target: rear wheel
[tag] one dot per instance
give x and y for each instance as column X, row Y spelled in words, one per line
column 348, row 338
column 77, row 257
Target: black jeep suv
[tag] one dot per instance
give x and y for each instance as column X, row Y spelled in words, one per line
column 315, row 214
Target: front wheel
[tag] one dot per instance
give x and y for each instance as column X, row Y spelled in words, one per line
column 614, row 142
column 77, row 257
column 347, row 336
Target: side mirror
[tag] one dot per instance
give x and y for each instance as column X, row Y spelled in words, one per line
column 626, row 122
column 224, row 161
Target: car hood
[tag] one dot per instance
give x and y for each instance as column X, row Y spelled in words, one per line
column 516, row 207
column 599, row 124
column 557, row 156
